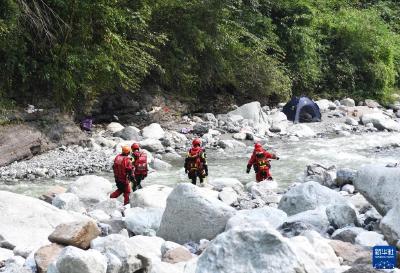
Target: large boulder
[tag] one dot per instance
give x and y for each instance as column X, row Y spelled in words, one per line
column 370, row 239
column 67, row 201
column 350, row 253
column 390, row 225
column 308, row 196
column 264, row 191
column 274, row 253
column 154, row 130
column 143, row 221
column 122, row 256
column 380, row 186
column 91, row 189
column 75, row 260
column 342, row 215
column 46, row 255
column 153, row 196
column 345, row 176
column 326, row 176
column 380, row 121
column 153, row 145
column 347, row 234
column 148, row 246
column 311, row 219
column 325, row 105
column 228, row 195
column 78, row 234
column 177, row 255
column 128, row 133
column 251, row 111
column 348, row 102
column 114, row 127
column 27, row 221
column 52, row 193
column 275, row 217
column 232, row 145
column 191, row 216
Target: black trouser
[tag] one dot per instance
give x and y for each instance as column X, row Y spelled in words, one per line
column 138, row 179
column 193, row 176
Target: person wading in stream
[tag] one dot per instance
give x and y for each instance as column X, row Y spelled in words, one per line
column 139, row 161
column 123, row 174
column 196, row 162
column 261, row 163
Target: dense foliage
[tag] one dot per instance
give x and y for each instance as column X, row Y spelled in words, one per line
column 70, row 51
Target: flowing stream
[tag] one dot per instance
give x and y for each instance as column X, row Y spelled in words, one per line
column 348, row 151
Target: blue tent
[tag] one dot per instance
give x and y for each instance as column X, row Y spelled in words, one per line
column 302, row 109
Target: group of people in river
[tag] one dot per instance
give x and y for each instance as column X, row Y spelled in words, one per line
column 130, row 167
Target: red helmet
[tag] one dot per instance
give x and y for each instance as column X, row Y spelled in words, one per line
column 258, row 147
column 196, row 142
column 135, row 146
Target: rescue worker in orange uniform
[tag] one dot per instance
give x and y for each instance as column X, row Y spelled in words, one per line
column 196, row 162
column 261, row 163
column 123, row 174
column 139, row 161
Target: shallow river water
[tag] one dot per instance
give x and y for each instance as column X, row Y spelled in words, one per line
column 350, row 151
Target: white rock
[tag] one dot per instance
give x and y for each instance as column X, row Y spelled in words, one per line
column 239, row 136
column 99, row 215
column 347, row 234
column 232, row 145
column 75, row 260
column 121, row 254
column 152, row 144
column 142, row 220
column 91, row 189
column 342, row 215
column 5, row 254
column 348, row 188
column 370, row 239
column 345, row 176
column 275, row 217
column 359, row 202
column 300, row 130
column 308, row 196
column 380, row 121
column 154, row 130
column 315, row 219
column 348, row 102
column 265, row 191
column 317, row 249
column 153, row 196
column 380, row 186
column 228, row 196
column 27, row 222
column 67, row 201
column 325, row 105
column 222, row 182
column 390, row 225
column 147, row 246
column 251, row 111
column 159, row 165
column 114, row 127
column 191, row 216
column 168, row 245
column 271, row 255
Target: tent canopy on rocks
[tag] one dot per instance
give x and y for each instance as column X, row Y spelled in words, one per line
column 302, row 109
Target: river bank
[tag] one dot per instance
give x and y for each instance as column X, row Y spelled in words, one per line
column 316, row 217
